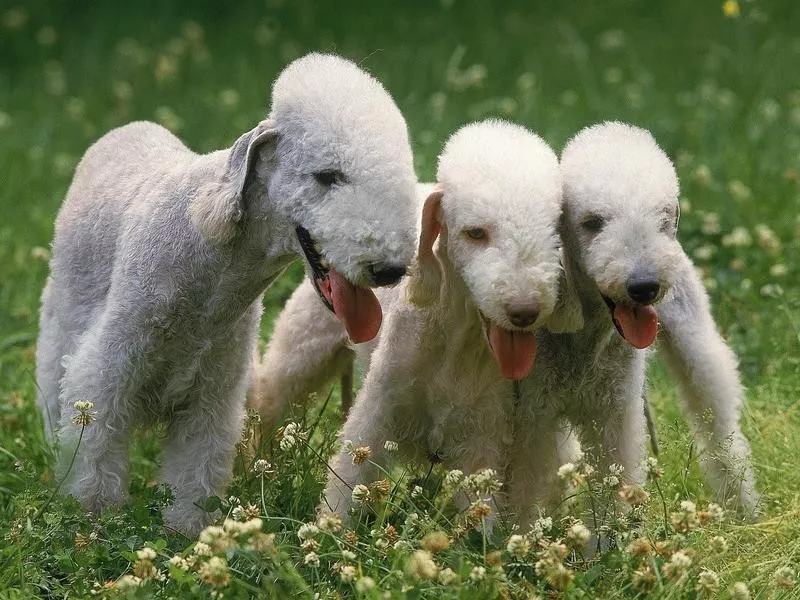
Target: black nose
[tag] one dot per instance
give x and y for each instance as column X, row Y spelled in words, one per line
column 386, row 274
column 522, row 314
column 643, row 291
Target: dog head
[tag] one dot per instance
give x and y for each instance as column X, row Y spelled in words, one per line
column 496, row 209
column 621, row 218
column 333, row 160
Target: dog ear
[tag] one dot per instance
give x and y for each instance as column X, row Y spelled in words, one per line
column 426, row 273
column 567, row 315
column 219, row 206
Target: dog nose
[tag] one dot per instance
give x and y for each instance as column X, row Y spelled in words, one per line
column 386, row 274
column 522, row 314
column 643, row 291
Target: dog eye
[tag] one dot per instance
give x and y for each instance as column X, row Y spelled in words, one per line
column 476, row 233
column 329, row 177
column 669, row 222
column 593, row 223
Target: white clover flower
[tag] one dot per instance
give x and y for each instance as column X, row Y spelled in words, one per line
column 715, row 512
column 403, row 546
column 128, row 582
column 422, row 566
column 447, row 576
column 739, row 237
column 390, row 446
column 611, row 481
column 784, row 577
column 578, row 534
column 311, row 559
column 540, row 527
column 360, row 494
column 679, row 563
column 702, row 175
column 202, row 549
column 518, row 546
column 477, row 574
column 710, row 224
column 484, row 482
column 239, row 513
column 616, row 470
column 704, row 252
column 330, row 522
column 365, row 584
column 251, row 526
column 348, row 555
column 291, row 436
column 767, row 239
column 453, row 479
column 215, row 572
column 307, row 531
column 262, row 467
column 739, row 191
column 347, row 573
column 778, row 270
column 719, row 544
column 146, row 554
column 416, row 491
column 567, row 471
column 179, row 562
column 707, row 583
column 740, row 591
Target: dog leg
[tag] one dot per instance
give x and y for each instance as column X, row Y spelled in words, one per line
column 367, row 425
column 200, row 448
column 711, row 393
column 104, row 372
column 541, row 447
column 308, row 348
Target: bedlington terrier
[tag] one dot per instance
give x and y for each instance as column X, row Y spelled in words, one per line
column 463, row 323
column 161, row 256
column 619, row 230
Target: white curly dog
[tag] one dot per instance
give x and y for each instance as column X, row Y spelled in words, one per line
column 161, row 256
column 463, row 324
column 621, row 194
column 620, row 223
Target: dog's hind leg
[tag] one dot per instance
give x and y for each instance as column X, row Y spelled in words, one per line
column 106, row 372
column 308, row 348
column 53, row 345
column 711, row 391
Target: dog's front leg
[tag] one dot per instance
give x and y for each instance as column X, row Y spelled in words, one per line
column 200, row 448
column 711, row 392
column 542, row 444
column 368, row 425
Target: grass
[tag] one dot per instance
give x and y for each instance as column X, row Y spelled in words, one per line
column 721, row 95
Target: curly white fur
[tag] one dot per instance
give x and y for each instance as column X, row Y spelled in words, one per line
column 432, row 384
column 161, row 256
column 593, row 378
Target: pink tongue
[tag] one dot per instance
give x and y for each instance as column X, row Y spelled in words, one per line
column 514, row 351
column 356, row 307
column 639, row 324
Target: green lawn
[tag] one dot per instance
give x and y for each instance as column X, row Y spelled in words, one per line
column 720, row 93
